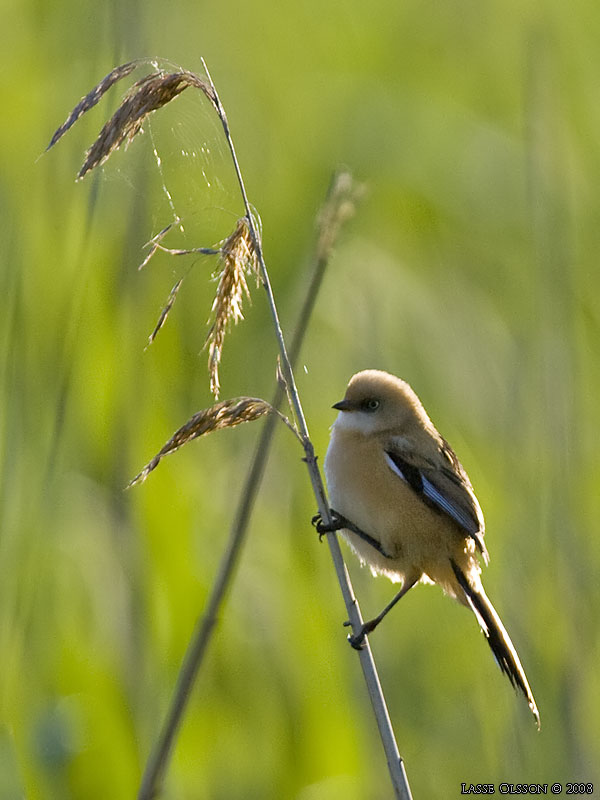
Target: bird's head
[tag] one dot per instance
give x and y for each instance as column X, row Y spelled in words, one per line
column 377, row 402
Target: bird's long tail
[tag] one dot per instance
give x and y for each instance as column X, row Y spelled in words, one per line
column 498, row 638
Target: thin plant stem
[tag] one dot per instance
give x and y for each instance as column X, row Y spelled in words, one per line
column 158, row 762
column 340, row 192
column 146, row 96
column 394, row 760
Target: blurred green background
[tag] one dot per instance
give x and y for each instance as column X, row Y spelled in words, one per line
column 471, row 270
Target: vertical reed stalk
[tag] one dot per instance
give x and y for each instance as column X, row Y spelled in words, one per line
column 338, row 206
column 394, row 760
column 238, row 254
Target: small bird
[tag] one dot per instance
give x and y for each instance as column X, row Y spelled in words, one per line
column 403, row 501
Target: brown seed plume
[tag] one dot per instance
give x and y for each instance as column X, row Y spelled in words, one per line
column 165, row 312
column 226, row 414
column 238, row 258
column 236, row 253
column 92, row 97
column 145, row 96
column 150, row 93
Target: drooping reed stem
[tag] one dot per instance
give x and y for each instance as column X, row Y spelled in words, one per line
column 243, row 249
column 338, row 206
column 395, row 763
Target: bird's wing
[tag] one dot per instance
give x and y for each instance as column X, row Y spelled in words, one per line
column 441, row 483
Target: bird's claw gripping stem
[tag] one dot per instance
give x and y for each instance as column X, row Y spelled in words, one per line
column 357, row 640
column 324, row 527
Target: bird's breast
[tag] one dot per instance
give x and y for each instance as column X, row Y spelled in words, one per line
column 364, row 489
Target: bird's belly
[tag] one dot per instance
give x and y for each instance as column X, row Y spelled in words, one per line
column 415, row 538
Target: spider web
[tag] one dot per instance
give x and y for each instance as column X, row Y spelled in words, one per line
column 181, row 167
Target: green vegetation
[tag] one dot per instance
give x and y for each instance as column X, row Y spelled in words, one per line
column 470, row 270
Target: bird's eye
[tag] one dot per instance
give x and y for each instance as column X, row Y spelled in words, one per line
column 371, row 405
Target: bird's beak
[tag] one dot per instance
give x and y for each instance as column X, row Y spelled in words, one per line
column 343, row 405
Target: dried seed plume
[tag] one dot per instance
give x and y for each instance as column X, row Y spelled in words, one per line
column 154, row 244
column 237, row 253
column 226, row 414
column 150, row 93
column 238, row 259
column 92, row 97
column 165, row 311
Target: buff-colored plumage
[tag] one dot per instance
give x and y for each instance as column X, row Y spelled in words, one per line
column 398, row 482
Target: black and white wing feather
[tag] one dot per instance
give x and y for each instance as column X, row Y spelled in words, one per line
column 442, row 484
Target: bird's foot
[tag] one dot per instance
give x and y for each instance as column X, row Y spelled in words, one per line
column 357, row 640
column 324, row 527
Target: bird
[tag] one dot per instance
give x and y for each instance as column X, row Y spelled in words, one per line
column 405, row 504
